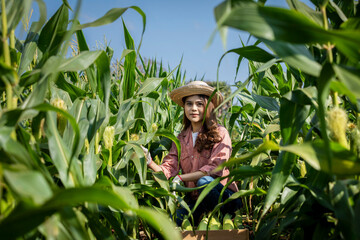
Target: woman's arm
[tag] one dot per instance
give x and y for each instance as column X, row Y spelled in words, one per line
column 154, row 166
column 170, row 162
column 194, row 176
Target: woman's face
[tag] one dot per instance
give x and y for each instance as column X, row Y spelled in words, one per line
column 194, row 108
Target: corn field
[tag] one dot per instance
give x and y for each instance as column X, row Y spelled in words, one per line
column 72, row 122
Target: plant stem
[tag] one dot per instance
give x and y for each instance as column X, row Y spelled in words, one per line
column 12, row 39
column 9, row 95
column 97, row 140
column 330, row 56
column 6, row 51
column 4, row 34
column 110, row 157
column 326, row 26
column 335, row 99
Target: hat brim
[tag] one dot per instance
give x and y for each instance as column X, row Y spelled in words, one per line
column 188, row 90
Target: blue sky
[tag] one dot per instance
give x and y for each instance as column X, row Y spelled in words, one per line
column 174, row 30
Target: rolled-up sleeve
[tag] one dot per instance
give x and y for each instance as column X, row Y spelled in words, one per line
column 220, row 153
column 170, row 162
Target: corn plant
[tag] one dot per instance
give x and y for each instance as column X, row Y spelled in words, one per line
column 301, row 117
column 69, row 166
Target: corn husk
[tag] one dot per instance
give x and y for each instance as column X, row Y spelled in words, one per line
column 186, row 225
column 337, row 123
column 227, row 222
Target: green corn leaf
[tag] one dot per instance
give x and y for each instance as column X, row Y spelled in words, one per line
column 271, row 128
column 205, row 192
column 81, row 41
column 7, row 76
column 278, row 24
column 180, row 188
column 267, row 65
column 26, row 218
column 139, row 162
column 303, row 96
column 306, row 10
column 110, row 17
column 351, row 23
column 14, row 12
column 341, row 88
column 249, row 171
column 97, row 228
column 77, row 63
column 89, row 165
column 56, row 64
column 343, row 210
column 113, row 221
column 74, row 223
column 69, row 171
column 281, row 172
column 103, row 79
column 36, row 26
column 27, row 56
column 73, row 91
column 78, row 113
column 343, row 162
column 15, row 151
column 262, row 148
column 160, row 223
column 268, row 103
column 154, row 192
column 292, row 118
column 296, row 55
column 241, row 193
column 172, row 137
column 128, row 82
column 237, row 147
column 52, row 33
column 121, row 124
column 90, row 71
column 149, row 85
column 350, row 77
column 48, row 108
column 326, row 76
column 232, row 95
column 96, row 116
column 268, row 85
column 161, row 179
column 81, row 61
column 252, row 53
column 30, row 77
column 28, row 184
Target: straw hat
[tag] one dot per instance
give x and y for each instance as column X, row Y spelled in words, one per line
column 195, row 88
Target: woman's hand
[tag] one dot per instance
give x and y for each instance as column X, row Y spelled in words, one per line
column 177, row 179
column 150, row 163
column 147, row 155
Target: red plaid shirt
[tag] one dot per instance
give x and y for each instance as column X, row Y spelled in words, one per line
column 206, row 161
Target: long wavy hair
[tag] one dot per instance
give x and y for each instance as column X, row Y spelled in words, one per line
column 209, row 134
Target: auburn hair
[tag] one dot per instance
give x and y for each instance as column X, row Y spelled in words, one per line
column 209, row 134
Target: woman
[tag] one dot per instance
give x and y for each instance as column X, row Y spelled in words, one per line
column 203, row 148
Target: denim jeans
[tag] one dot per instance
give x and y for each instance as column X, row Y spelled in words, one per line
column 209, row 202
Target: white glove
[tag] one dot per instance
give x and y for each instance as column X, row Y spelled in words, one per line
column 147, row 155
column 177, row 180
